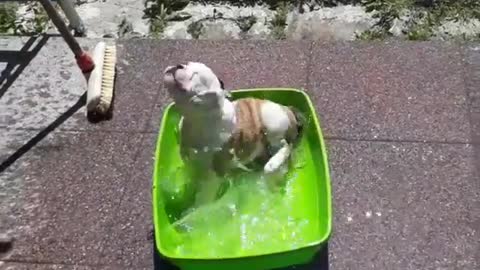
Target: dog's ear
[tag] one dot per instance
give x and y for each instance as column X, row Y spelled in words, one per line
column 222, row 85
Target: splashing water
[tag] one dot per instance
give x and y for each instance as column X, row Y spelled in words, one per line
column 250, row 218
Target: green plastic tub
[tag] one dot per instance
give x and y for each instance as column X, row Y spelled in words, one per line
column 249, row 227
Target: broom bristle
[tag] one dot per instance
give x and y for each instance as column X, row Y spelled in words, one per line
column 108, row 76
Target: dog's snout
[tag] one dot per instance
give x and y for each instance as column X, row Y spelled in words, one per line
column 170, row 70
column 173, row 69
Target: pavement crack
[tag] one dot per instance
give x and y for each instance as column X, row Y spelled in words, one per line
column 309, row 63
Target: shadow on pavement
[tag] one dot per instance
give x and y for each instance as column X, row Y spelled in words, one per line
column 17, row 61
column 43, row 133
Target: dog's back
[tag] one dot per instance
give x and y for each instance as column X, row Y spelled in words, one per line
column 259, row 124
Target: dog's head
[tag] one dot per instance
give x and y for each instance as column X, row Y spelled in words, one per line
column 194, row 86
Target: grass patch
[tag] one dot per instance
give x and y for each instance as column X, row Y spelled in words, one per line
column 40, row 20
column 8, row 16
column 195, row 29
column 159, row 13
column 124, row 28
column 11, row 24
column 421, row 17
column 273, row 4
column 373, row 34
column 279, row 22
column 245, row 22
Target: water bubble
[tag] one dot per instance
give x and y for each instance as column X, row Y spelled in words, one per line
column 249, row 218
column 300, row 165
column 183, row 227
column 293, row 177
column 233, row 208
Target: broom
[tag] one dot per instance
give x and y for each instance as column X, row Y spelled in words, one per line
column 99, row 69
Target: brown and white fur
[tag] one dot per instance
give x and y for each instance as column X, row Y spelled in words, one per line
column 222, row 134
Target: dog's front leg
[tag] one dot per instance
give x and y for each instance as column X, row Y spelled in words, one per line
column 212, row 179
column 272, row 168
column 279, row 158
column 208, row 188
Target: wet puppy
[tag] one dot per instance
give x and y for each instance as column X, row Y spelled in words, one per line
column 220, row 134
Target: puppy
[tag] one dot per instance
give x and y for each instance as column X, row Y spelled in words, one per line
column 220, row 134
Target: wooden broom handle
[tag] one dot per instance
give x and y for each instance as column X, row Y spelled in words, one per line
column 62, row 27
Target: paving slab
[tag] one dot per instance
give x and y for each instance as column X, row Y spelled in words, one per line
column 74, row 192
column 475, row 125
column 135, row 93
column 131, row 235
column 34, row 266
column 472, row 85
column 390, row 91
column 403, row 206
column 81, row 196
column 12, row 182
column 472, row 88
column 39, row 82
column 43, row 82
column 20, row 152
column 240, row 64
column 412, row 201
column 472, row 75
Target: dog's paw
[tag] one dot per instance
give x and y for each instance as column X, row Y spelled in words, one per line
column 270, row 168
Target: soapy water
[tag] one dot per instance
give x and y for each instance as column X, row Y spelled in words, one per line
column 251, row 217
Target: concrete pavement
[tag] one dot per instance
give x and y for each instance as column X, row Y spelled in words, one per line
column 401, row 119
